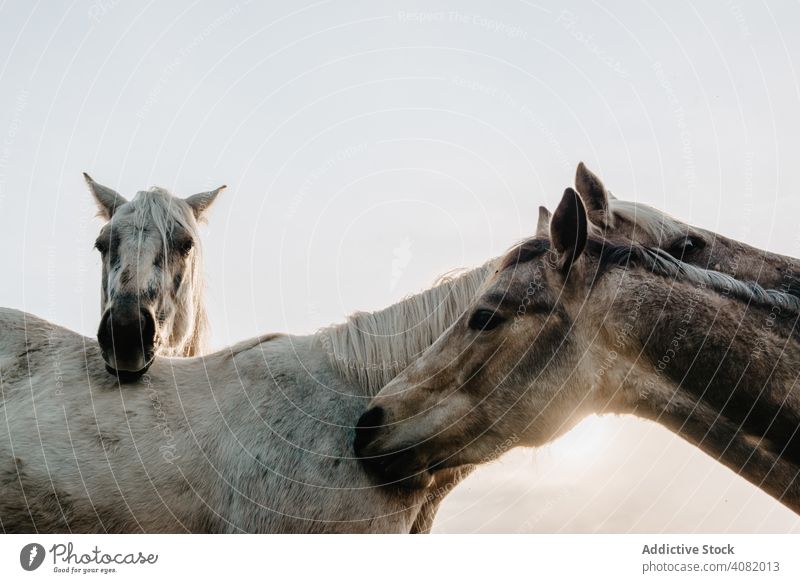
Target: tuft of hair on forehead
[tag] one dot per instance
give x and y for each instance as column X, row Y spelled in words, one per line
column 160, row 212
column 157, row 208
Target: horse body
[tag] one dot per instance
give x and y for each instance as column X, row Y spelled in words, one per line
column 236, row 441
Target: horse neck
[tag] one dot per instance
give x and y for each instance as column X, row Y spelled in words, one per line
column 742, row 261
column 770, row 270
column 721, row 374
column 371, row 348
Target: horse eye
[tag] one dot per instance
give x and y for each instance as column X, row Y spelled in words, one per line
column 485, row 320
column 185, row 246
column 686, row 246
column 101, row 246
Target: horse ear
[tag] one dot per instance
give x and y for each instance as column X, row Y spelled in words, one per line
column 594, row 195
column 543, row 225
column 202, row 201
column 108, row 200
column 568, row 229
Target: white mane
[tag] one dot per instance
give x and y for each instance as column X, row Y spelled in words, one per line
column 158, row 209
column 658, row 225
column 371, row 348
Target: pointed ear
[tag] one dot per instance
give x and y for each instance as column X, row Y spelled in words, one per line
column 594, row 195
column 108, row 200
column 543, row 225
column 201, row 202
column 568, row 229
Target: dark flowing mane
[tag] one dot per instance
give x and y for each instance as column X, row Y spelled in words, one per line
column 611, row 254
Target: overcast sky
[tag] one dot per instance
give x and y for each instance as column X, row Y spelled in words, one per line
column 371, row 146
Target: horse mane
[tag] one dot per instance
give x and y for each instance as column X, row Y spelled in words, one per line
column 662, row 263
column 158, row 209
column 610, row 254
column 371, row 348
column 658, row 225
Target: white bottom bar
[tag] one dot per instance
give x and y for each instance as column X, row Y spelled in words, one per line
column 382, row 559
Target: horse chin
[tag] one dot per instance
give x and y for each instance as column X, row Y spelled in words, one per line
column 128, row 376
column 399, row 470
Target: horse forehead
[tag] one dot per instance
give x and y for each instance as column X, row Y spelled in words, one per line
column 122, row 221
column 153, row 213
column 516, row 279
column 134, row 238
column 158, row 199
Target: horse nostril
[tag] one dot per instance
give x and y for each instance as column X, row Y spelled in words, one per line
column 367, row 428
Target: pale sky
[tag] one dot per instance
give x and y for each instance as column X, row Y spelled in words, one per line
column 371, row 146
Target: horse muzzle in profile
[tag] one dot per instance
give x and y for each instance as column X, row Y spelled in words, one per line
column 127, row 339
column 399, row 467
